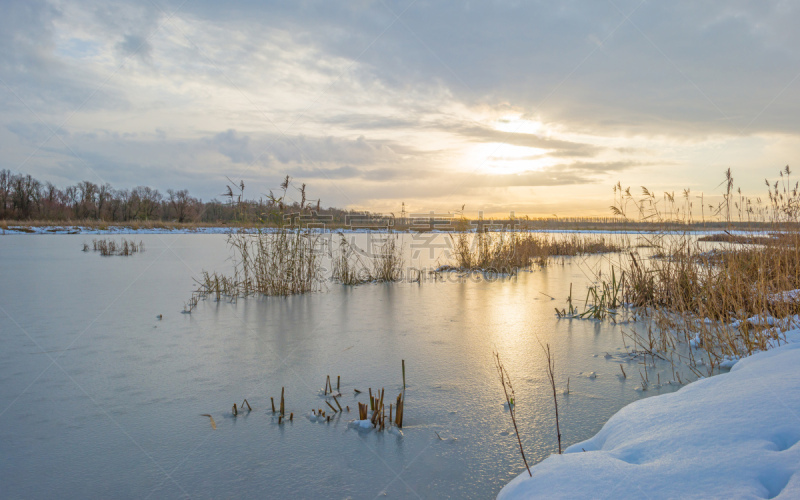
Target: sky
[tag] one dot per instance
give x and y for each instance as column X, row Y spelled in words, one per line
column 533, row 107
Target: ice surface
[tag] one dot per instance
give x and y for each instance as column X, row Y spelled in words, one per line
column 120, row 412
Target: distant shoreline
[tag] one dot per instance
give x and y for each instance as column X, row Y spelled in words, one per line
column 90, row 228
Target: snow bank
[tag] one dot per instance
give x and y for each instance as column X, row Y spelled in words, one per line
column 734, row 435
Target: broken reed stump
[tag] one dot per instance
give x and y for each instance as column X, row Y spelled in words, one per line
column 235, row 412
column 282, row 401
column 291, row 417
column 398, row 420
column 362, row 411
column 338, row 379
column 271, row 400
column 374, row 417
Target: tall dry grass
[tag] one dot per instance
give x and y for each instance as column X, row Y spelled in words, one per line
column 383, row 263
column 730, row 294
column 284, row 262
column 507, row 252
column 108, row 247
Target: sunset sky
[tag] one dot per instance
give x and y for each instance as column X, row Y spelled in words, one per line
column 535, row 107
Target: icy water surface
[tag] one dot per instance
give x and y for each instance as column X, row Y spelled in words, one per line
column 100, row 399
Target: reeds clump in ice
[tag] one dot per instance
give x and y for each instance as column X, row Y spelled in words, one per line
column 108, row 247
column 383, row 263
column 375, row 414
column 348, row 266
column 728, row 295
column 508, row 251
column 283, row 262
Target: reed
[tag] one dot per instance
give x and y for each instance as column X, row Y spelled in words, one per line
column 725, row 296
column 348, row 268
column 213, row 424
column 284, row 262
column 551, row 375
column 384, row 263
column 508, row 391
column 109, row 247
column 508, row 251
column 387, row 262
column 375, row 410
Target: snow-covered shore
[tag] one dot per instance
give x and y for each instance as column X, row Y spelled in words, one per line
column 734, row 435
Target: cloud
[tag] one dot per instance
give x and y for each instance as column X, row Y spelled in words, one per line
column 233, row 145
column 676, row 68
column 135, row 46
column 556, row 147
column 366, row 104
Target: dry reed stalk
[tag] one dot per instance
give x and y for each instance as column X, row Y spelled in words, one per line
column 337, row 403
column 282, row 400
column 505, row 381
column 362, row 411
column 399, row 412
column 235, row 411
column 271, row 400
column 403, row 364
column 249, row 408
column 331, row 406
column 213, row 424
column 374, row 417
column 551, row 375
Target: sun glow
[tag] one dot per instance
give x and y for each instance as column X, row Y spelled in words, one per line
column 501, row 158
column 517, row 125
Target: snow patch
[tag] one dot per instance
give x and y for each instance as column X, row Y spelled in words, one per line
column 733, row 435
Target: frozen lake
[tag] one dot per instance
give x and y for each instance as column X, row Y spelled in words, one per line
column 101, row 399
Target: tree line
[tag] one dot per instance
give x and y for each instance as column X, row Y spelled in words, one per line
column 23, row 197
